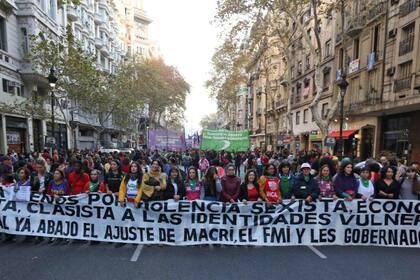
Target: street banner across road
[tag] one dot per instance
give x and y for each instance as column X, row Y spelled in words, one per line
column 165, row 139
column 226, row 140
column 98, row 217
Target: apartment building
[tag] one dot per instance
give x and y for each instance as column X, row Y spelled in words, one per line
column 382, row 104
column 95, row 26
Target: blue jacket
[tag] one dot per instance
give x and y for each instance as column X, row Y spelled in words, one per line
column 303, row 189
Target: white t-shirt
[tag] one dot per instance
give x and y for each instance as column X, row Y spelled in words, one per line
column 366, row 191
column 132, row 188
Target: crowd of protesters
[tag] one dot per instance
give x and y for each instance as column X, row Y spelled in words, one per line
column 213, row 176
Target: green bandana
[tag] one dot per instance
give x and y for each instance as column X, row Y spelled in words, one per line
column 306, row 178
column 193, row 184
column 325, row 178
column 93, row 186
column 365, row 182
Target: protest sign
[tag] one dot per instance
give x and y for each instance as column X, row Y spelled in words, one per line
column 98, row 217
column 166, row 139
column 226, row 140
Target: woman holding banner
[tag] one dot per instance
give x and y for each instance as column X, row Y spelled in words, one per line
column 175, row 189
column 250, row 187
column 153, row 184
column 211, row 185
column 192, row 185
column 270, row 185
column 231, row 185
column 345, row 183
column 131, row 185
column 366, row 190
column 286, row 180
column 305, row 186
column 388, row 187
column 326, row 187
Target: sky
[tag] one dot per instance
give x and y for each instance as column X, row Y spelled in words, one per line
column 187, row 40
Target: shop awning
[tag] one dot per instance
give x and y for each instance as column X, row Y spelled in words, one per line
column 346, row 134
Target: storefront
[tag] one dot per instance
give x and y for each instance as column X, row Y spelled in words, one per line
column 16, row 134
column 350, row 142
column 315, row 138
column 399, row 135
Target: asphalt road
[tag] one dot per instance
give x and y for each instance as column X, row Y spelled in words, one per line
column 72, row 261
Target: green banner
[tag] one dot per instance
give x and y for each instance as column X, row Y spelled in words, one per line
column 226, row 140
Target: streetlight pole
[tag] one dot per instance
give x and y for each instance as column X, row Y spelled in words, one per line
column 342, row 84
column 52, row 80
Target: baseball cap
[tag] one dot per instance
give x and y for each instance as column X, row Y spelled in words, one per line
column 305, row 165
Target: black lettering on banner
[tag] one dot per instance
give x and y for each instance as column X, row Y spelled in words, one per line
column 340, row 206
column 3, row 223
column 1, row 193
column 23, row 224
column 89, row 230
column 10, row 206
column 300, row 232
column 167, row 235
column 257, row 208
column 361, row 207
column 128, row 215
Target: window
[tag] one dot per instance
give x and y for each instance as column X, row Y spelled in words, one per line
column 309, row 34
column 305, row 115
column 375, row 43
column 298, row 92
column 356, row 44
column 299, row 68
column 328, row 48
column 405, row 70
column 3, row 37
column 297, row 120
column 407, row 39
column 292, row 70
column 327, row 80
column 12, row 87
column 324, row 111
column 307, row 61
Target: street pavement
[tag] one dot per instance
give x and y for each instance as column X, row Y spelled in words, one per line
column 73, row 261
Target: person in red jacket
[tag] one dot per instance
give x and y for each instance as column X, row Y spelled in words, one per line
column 78, row 181
column 231, row 185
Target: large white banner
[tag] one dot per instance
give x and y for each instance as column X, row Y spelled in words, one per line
column 99, row 217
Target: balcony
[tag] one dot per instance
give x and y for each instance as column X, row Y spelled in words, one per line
column 259, row 112
column 377, row 10
column 98, row 18
column 280, row 104
column 105, row 51
column 72, row 13
column 356, row 26
column 402, row 84
column 408, row 7
column 99, row 43
column 406, row 45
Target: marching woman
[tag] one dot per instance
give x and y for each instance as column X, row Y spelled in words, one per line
column 326, row 187
column 387, row 187
column 270, row 185
column 231, row 185
column 113, row 178
column 250, row 187
column 305, row 186
column 58, row 187
column 94, row 184
column 24, row 177
column 192, row 185
column 175, row 189
column 286, row 180
column 345, row 183
column 131, row 185
column 366, row 190
column 410, row 185
column 211, row 185
column 153, row 184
